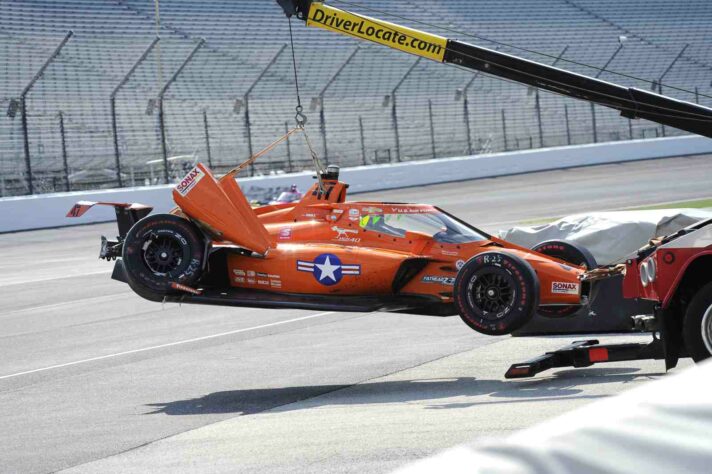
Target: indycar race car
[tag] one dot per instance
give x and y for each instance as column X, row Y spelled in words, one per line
column 323, row 252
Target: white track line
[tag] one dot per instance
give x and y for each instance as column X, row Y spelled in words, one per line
column 47, row 307
column 161, row 346
column 9, row 282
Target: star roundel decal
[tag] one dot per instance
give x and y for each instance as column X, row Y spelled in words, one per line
column 328, row 269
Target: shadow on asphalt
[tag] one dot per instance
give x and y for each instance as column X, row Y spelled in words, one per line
column 434, row 392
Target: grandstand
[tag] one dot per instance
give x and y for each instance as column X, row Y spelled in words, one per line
column 376, row 90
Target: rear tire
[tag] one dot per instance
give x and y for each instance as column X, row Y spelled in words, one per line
column 159, row 250
column 569, row 252
column 697, row 325
column 496, row 293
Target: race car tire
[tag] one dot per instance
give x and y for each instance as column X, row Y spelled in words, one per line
column 159, row 250
column 697, row 325
column 569, row 252
column 496, row 293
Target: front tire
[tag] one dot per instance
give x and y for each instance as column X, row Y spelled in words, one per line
column 697, row 325
column 496, row 293
column 159, row 250
column 569, row 252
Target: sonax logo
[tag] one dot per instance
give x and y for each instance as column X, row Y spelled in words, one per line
column 565, row 288
column 189, row 181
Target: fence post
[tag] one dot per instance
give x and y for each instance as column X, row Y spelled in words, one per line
column 115, row 136
column 164, row 148
column 65, row 162
column 593, row 122
column 246, row 100
column 112, row 103
column 568, row 128
column 566, row 110
column 610, row 60
column 537, row 106
column 394, row 108
column 248, row 129
column 662, row 76
column 432, row 127
column 322, row 130
column 363, row 142
column 289, row 148
column 25, row 134
column 207, row 138
column 161, row 113
column 697, row 95
column 504, row 131
column 466, row 112
column 394, row 119
column 23, row 101
column 660, row 91
column 630, row 128
column 598, row 74
column 322, row 118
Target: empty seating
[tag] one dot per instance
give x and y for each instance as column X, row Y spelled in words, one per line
column 359, row 123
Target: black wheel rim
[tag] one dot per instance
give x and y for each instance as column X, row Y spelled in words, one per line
column 707, row 329
column 493, row 293
column 162, row 253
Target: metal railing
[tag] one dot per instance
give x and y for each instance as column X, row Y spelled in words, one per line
column 65, row 143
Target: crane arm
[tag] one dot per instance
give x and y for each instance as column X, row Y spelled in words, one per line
column 630, row 101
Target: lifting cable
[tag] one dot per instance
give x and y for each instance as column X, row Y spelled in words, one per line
column 301, row 120
column 299, row 117
column 233, row 172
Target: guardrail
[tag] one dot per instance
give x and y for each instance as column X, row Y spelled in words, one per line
column 49, row 210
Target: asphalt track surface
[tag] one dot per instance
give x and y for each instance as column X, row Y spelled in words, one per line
column 94, row 377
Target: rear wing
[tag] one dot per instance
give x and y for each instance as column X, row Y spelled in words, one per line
column 127, row 213
column 219, row 206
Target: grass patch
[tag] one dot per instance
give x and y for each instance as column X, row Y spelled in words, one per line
column 543, row 220
column 695, row 204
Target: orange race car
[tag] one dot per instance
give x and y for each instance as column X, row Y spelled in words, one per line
column 323, row 252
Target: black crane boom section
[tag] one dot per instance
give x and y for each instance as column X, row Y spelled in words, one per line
column 632, row 102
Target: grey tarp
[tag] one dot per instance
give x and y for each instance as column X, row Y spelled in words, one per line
column 609, row 236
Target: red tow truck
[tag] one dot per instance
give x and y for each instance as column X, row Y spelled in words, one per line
column 675, row 272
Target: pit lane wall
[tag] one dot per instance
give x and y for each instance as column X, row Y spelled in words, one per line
column 49, row 210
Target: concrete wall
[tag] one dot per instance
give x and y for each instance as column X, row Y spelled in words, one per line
column 49, row 210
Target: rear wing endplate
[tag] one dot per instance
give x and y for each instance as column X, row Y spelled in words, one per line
column 127, row 214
